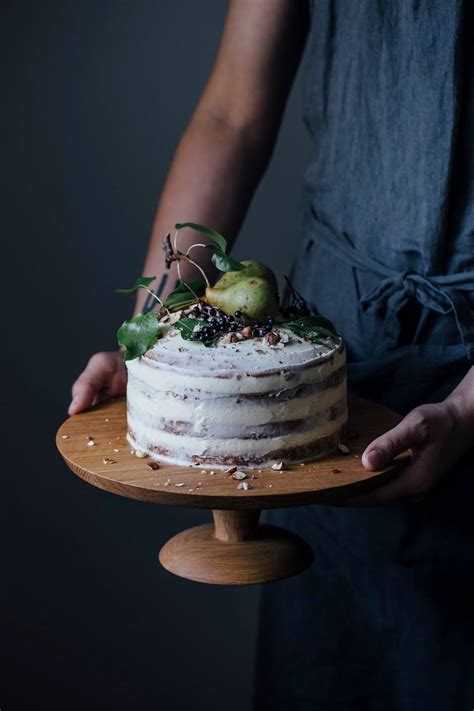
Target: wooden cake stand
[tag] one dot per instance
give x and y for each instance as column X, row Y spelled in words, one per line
column 236, row 549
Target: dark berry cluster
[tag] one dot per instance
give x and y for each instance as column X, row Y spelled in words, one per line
column 218, row 323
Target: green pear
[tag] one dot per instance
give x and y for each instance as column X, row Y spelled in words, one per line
column 253, row 296
column 253, row 268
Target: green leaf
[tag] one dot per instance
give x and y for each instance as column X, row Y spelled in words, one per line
column 220, row 258
column 140, row 283
column 182, row 295
column 139, row 334
column 312, row 328
column 217, row 238
column 225, row 263
column 186, row 327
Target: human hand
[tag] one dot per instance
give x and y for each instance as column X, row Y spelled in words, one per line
column 437, row 435
column 105, row 376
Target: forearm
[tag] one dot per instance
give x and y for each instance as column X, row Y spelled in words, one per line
column 212, row 178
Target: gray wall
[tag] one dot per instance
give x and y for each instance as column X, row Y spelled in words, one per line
column 96, row 96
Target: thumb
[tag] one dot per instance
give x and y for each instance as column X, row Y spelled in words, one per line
column 385, row 448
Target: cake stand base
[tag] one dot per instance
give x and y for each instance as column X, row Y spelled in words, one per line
column 235, row 550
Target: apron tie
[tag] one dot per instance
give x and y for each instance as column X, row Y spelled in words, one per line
column 443, row 293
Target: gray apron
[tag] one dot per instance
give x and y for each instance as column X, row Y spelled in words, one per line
column 384, row 619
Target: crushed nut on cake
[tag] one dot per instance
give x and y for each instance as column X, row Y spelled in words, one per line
column 140, row 454
column 180, row 484
column 106, row 460
column 91, row 442
column 343, row 448
column 153, row 465
column 278, row 466
column 64, row 436
column 231, row 470
column 244, row 485
column 239, row 475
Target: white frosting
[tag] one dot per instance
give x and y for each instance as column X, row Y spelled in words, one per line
column 179, row 381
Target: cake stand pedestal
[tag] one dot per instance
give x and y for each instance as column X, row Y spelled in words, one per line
column 235, row 549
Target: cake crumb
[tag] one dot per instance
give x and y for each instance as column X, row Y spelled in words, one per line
column 106, row 419
column 132, row 451
column 167, row 482
column 343, row 448
column 302, row 464
column 106, row 460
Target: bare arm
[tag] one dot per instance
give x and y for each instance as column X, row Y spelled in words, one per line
column 223, row 152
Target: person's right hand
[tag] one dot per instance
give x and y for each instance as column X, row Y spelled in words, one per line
column 105, row 376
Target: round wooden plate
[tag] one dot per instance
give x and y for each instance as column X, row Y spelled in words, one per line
column 236, row 549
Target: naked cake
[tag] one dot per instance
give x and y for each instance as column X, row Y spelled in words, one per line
column 216, row 385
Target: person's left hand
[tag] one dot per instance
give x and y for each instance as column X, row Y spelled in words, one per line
column 437, row 435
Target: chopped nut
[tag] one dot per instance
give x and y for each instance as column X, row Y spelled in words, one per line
column 244, row 485
column 179, row 484
column 91, row 443
column 106, row 419
column 106, row 460
column 278, row 466
column 302, row 464
column 140, row 454
column 167, row 482
column 233, row 338
column 269, row 486
column 64, row 436
column 247, row 332
column 153, row 465
column 272, row 338
column 116, row 450
column 231, row 470
column 239, row 475
column 132, row 451
column 343, row 448
column 212, row 473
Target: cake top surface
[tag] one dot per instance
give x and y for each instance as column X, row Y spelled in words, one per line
column 248, row 355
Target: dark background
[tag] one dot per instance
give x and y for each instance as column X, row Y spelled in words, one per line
column 95, row 97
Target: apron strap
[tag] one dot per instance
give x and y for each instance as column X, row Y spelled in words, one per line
column 441, row 293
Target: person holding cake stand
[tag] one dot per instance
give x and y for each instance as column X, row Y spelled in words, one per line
column 385, row 618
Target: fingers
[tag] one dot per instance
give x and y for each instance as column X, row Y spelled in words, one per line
column 101, row 376
column 410, row 432
column 412, row 483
